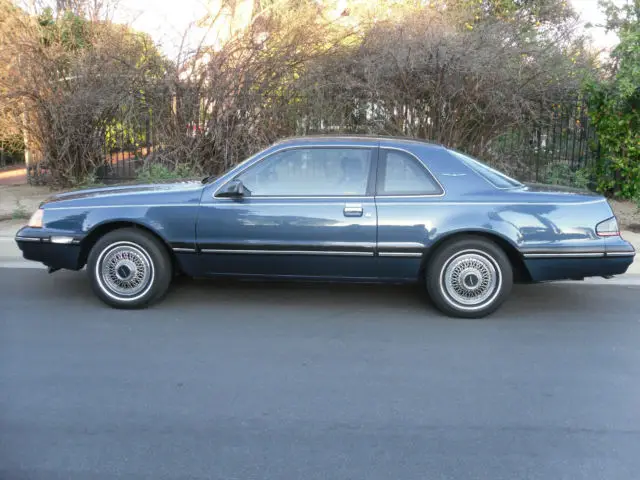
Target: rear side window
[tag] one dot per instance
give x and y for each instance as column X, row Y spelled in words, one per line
column 402, row 174
column 494, row 177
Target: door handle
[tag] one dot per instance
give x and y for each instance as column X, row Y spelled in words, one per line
column 352, row 210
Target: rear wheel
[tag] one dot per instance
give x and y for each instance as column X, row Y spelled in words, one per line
column 469, row 277
column 129, row 268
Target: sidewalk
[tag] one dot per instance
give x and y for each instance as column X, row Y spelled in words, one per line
column 13, row 176
column 633, row 239
column 21, row 198
column 10, row 254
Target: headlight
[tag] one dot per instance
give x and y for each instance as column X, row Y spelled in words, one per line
column 608, row 228
column 36, row 219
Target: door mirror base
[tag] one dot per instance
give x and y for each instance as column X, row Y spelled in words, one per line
column 233, row 189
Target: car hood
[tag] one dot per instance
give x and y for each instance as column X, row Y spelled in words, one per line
column 114, row 193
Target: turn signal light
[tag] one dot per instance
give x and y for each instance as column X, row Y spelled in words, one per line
column 36, row 219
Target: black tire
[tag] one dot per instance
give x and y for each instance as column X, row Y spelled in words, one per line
column 469, row 277
column 140, row 271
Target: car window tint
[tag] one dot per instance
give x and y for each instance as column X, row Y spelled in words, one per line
column 493, row 176
column 403, row 175
column 310, row 172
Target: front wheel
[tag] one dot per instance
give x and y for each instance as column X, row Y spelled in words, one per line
column 469, row 277
column 129, row 268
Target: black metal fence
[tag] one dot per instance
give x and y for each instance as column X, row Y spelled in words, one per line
column 128, row 142
column 556, row 144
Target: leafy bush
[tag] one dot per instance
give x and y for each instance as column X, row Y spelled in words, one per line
column 157, row 172
column 563, row 174
column 20, row 212
column 90, row 180
column 615, row 107
column 459, row 73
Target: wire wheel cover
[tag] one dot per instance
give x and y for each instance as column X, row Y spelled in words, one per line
column 470, row 279
column 126, row 270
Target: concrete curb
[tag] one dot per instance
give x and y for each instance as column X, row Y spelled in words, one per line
column 9, row 226
column 628, row 280
column 21, row 264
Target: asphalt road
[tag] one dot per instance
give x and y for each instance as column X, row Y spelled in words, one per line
column 278, row 381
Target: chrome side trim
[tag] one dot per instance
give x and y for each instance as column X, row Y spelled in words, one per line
column 184, row 250
column 579, row 255
column 87, row 207
column 400, row 254
column 337, row 199
column 312, row 247
column 221, row 201
column 399, row 245
column 563, row 255
column 437, row 204
column 28, row 239
column 288, row 252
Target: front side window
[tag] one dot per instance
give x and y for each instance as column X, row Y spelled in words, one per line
column 496, row 178
column 310, row 172
column 402, row 174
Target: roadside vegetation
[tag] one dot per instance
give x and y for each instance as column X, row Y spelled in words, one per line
column 155, row 173
column 20, row 212
column 615, row 107
column 78, row 90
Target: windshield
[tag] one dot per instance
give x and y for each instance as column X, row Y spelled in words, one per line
column 211, row 178
column 496, row 178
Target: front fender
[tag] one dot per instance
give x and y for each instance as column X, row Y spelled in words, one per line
column 174, row 224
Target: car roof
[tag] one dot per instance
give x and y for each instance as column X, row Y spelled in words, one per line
column 366, row 139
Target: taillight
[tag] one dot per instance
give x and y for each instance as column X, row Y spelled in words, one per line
column 608, row 228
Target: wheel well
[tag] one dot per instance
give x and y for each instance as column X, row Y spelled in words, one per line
column 520, row 271
column 90, row 240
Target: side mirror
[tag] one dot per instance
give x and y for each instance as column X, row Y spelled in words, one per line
column 233, row 189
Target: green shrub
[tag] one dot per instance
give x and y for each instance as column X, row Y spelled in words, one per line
column 90, row 180
column 157, row 172
column 615, row 107
column 563, row 174
column 20, row 212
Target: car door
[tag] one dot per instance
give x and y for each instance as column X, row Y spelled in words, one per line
column 306, row 211
column 403, row 192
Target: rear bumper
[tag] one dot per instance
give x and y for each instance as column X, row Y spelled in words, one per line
column 611, row 257
column 545, row 269
column 37, row 245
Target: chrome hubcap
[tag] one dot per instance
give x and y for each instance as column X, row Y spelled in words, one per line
column 471, row 279
column 125, row 270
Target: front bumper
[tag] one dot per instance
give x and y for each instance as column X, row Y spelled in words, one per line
column 42, row 246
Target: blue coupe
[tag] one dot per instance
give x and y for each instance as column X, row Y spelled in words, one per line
column 363, row 209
